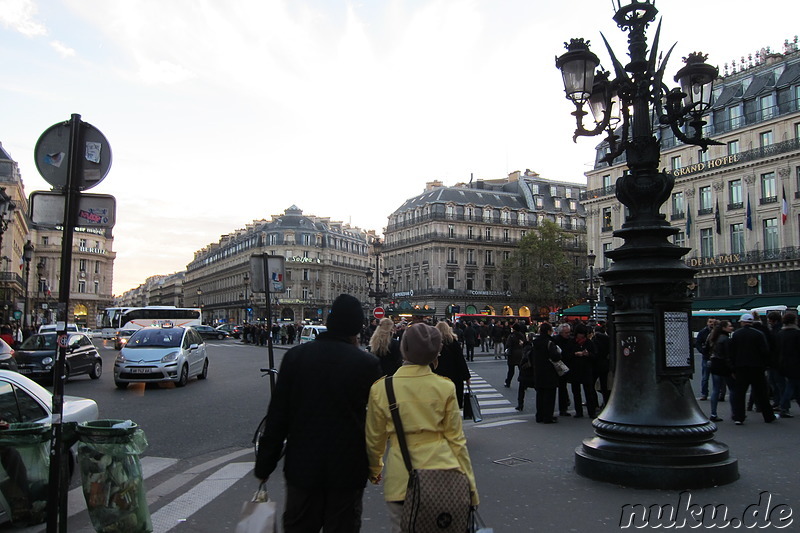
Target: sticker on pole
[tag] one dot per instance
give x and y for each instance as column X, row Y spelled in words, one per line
column 63, row 341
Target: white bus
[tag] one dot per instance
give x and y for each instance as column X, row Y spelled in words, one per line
column 114, row 319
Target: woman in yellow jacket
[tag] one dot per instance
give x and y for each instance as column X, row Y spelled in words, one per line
column 431, row 420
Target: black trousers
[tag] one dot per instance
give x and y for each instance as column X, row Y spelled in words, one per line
column 563, row 394
column 328, row 510
column 745, row 377
column 591, row 398
column 545, row 403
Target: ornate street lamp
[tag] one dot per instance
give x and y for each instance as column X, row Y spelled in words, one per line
column 380, row 291
column 590, row 259
column 652, row 433
column 27, row 256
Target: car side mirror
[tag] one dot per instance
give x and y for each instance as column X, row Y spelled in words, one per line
column 194, row 346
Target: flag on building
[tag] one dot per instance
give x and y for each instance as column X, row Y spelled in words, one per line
column 784, row 206
column 717, row 220
column 688, row 220
column 748, row 217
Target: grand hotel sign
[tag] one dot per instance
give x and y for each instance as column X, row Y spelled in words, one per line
column 706, row 165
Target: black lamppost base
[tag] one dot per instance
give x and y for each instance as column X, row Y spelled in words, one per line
column 650, row 465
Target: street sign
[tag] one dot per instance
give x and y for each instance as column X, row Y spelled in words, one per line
column 94, row 210
column 52, row 156
column 63, row 341
column 379, row 312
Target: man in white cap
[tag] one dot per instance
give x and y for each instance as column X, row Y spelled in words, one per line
column 749, row 353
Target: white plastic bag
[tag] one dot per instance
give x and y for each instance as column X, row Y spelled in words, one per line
column 259, row 515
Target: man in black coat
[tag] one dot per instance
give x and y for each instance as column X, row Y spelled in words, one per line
column 319, row 408
column 749, row 353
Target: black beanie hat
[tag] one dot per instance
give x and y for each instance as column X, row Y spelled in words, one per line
column 346, row 316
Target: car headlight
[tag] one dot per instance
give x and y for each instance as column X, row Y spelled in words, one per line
column 120, row 358
column 170, row 357
column 47, row 360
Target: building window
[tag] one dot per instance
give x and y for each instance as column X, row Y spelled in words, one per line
column 45, row 240
column 272, row 239
column 765, row 139
column 679, row 239
column 737, row 238
column 506, row 255
column 705, row 200
column 305, row 293
column 678, row 209
column 97, row 287
column 97, row 267
column 451, row 280
column 539, row 202
column 706, row 242
column 702, row 156
column 507, row 234
column 470, row 232
column 82, row 265
column 767, row 106
column 470, row 281
column 487, row 282
column 82, row 243
column 451, row 255
column 470, row 257
column 306, row 274
column 733, row 147
column 606, row 261
column 607, row 180
column 488, row 234
column 735, row 194
column 735, row 116
column 557, row 203
column 607, row 225
column 489, row 256
column 769, row 193
column 676, row 162
column 81, row 286
column 451, row 231
column 451, row 211
column 771, row 234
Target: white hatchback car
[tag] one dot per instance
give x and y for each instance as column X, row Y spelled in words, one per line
column 161, row 354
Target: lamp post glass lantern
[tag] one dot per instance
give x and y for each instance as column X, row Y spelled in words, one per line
column 652, row 433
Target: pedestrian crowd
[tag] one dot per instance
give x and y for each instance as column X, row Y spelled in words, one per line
column 259, row 334
column 762, row 358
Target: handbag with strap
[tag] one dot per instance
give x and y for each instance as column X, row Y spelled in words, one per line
column 437, row 500
column 472, row 409
column 259, row 515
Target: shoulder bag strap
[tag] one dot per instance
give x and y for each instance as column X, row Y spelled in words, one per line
column 398, row 424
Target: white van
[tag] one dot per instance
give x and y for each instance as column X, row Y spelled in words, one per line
column 52, row 328
column 309, row 333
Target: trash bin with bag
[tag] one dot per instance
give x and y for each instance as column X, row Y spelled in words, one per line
column 108, row 455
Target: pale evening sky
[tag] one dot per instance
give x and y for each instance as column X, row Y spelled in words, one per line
column 220, row 112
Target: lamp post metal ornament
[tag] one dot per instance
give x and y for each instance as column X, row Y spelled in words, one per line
column 652, row 433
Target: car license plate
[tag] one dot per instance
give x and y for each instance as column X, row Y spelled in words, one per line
column 139, row 370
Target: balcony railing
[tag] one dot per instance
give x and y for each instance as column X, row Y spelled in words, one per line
column 677, row 216
column 705, row 211
column 768, row 200
column 736, row 205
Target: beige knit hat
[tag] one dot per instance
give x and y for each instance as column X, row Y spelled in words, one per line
column 421, row 344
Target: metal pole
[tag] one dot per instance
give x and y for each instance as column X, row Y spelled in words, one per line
column 57, row 495
column 270, row 352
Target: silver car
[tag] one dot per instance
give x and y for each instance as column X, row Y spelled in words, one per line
column 156, row 354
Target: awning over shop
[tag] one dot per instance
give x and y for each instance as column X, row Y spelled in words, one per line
column 576, row 310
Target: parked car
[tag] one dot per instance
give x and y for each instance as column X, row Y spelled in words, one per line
column 233, row 330
column 309, row 333
column 7, row 360
column 23, row 400
column 121, row 337
column 207, row 332
column 156, row 354
column 36, row 356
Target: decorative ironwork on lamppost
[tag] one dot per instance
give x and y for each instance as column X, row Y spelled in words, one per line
column 27, row 256
column 652, row 433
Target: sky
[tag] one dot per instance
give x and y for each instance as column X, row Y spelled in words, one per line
column 221, row 112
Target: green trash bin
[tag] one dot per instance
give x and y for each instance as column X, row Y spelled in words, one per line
column 24, row 471
column 111, row 474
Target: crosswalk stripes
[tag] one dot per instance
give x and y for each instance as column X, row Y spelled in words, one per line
column 491, row 401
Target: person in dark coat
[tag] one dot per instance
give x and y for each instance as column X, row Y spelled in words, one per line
column 319, row 408
column 749, row 355
column 452, row 364
column 386, row 347
column 514, row 344
column 545, row 377
column 581, row 373
column 601, row 363
column 719, row 364
column 526, row 375
column 564, row 341
column 701, row 344
column 470, row 340
column 789, row 364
